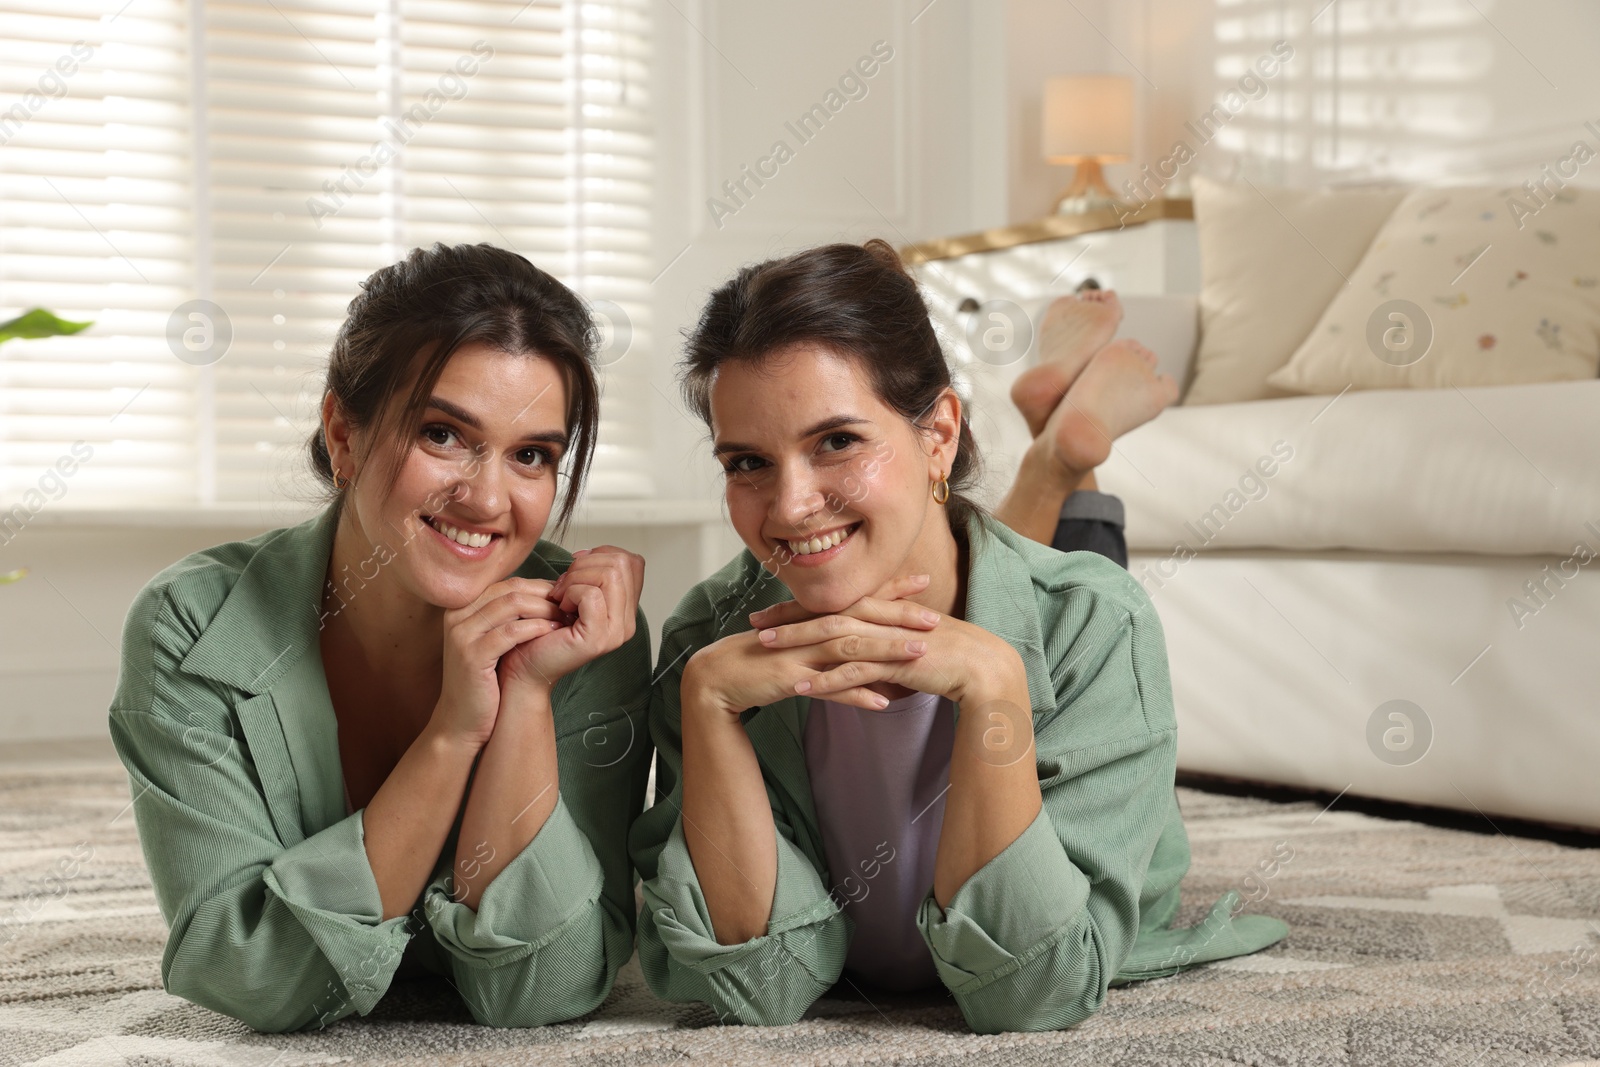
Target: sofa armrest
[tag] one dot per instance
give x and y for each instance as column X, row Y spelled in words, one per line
column 1168, row 325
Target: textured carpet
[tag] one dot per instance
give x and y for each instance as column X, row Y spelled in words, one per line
column 1410, row 944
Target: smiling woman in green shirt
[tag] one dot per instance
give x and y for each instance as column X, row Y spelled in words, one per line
column 891, row 694
column 400, row 736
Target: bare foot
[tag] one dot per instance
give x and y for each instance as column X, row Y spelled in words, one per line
column 1073, row 330
column 1117, row 391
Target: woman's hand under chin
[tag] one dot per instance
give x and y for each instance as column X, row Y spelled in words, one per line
column 958, row 660
column 477, row 638
column 742, row 670
column 598, row 598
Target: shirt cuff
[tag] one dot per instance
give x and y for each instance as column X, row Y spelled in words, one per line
column 1010, row 909
column 329, row 872
column 326, row 882
column 551, row 882
column 683, row 920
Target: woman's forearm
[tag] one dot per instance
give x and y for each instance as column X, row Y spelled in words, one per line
column 409, row 817
column 727, row 823
column 1042, row 485
column 994, row 784
column 513, row 793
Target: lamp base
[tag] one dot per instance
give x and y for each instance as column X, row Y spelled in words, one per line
column 1088, row 191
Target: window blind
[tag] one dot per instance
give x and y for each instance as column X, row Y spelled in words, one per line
column 265, row 157
column 1396, row 92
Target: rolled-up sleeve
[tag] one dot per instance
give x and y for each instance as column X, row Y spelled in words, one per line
column 281, row 938
column 1032, row 940
column 770, row 979
column 556, row 924
column 543, row 944
column 551, row 882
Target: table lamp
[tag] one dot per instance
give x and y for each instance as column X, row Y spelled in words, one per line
column 1088, row 120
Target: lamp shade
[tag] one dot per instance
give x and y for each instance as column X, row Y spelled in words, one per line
column 1088, row 116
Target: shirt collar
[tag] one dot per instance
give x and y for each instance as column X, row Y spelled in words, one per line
column 270, row 618
column 1002, row 600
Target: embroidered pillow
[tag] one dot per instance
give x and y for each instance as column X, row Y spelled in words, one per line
column 1464, row 287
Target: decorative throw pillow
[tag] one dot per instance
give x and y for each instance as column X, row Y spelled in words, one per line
column 1270, row 260
column 1464, row 287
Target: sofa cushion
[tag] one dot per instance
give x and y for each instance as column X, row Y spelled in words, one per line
column 1270, row 260
column 1502, row 469
column 1464, row 287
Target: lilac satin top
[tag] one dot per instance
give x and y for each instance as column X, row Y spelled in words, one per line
column 878, row 781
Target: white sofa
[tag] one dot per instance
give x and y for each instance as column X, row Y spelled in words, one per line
column 1376, row 562
column 1384, row 560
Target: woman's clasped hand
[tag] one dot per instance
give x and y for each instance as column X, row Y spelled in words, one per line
column 884, row 645
column 526, row 634
column 592, row 609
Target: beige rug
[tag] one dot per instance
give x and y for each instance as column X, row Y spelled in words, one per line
column 1409, row 945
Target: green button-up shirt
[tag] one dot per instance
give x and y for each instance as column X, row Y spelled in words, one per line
column 223, row 719
column 1081, row 900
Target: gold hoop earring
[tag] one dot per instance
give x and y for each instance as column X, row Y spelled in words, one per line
column 339, row 481
column 941, row 490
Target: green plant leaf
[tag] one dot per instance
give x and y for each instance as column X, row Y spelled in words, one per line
column 39, row 323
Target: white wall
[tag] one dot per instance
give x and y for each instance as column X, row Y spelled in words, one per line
column 1046, row 38
column 1164, row 46
column 61, row 626
column 917, row 157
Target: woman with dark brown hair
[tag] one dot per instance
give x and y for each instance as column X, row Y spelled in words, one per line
column 898, row 742
column 399, row 737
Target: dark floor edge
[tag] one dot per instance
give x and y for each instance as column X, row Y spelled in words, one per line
column 1445, row 818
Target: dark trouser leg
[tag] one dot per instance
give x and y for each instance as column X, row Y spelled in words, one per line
column 1092, row 521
